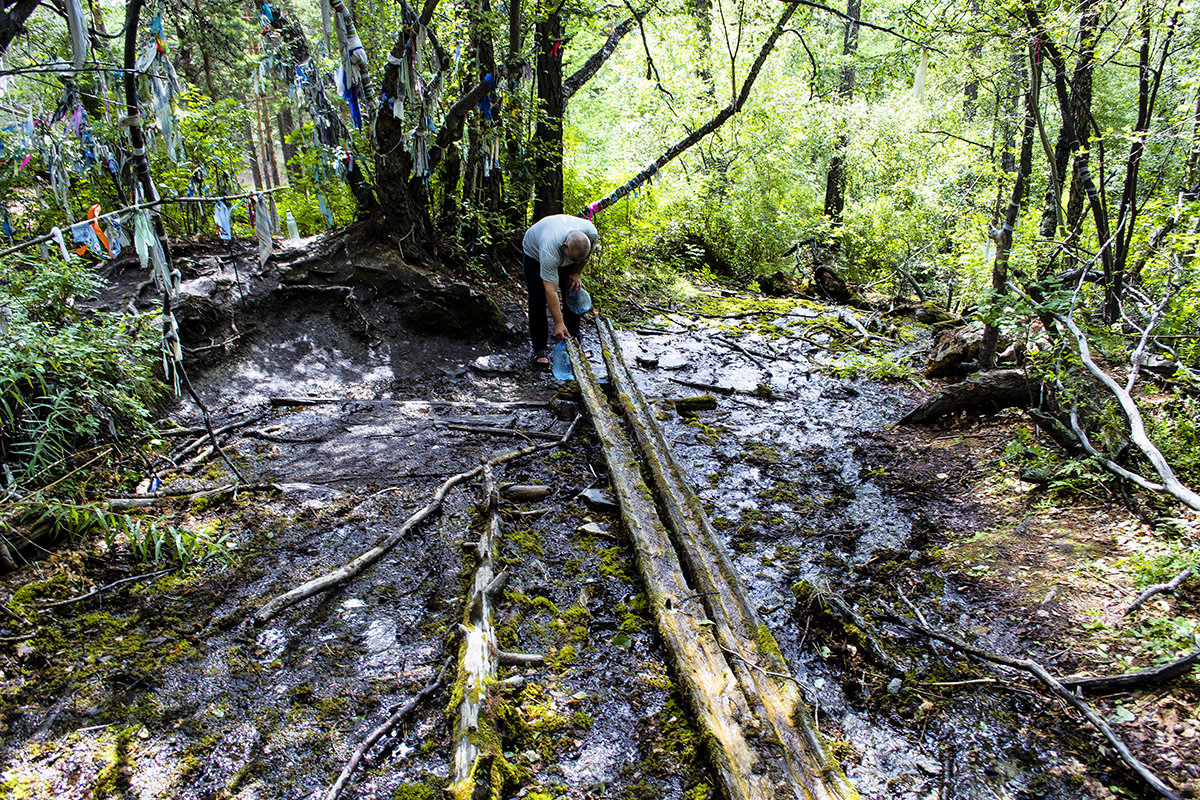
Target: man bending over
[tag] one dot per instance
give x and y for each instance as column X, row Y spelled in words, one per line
column 556, row 250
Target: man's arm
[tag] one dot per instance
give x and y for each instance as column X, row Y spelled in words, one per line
column 560, row 327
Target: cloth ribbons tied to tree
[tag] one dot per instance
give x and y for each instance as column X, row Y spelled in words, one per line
column 166, row 280
column 156, row 72
column 351, row 76
column 78, row 28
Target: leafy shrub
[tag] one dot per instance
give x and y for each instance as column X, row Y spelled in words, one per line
column 67, row 378
column 149, row 540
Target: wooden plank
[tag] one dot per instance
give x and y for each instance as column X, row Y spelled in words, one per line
column 710, row 686
column 753, row 655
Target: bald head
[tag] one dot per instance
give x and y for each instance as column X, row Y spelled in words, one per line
column 577, row 247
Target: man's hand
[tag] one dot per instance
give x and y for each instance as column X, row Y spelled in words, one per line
column 573, row 283
column 560, row 330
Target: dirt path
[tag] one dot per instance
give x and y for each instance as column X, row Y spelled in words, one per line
column 163, row 689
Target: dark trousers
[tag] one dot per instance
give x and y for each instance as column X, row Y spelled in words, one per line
column 539, row 328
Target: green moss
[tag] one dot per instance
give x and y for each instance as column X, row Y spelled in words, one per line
column 768, row 650
column 525, row 540
column 566, row 657
column 576, row 615
column 673, row 741
column 614, row 564
column 582, row 720
column 759, row 453
column 113, row 780
column 636, row 615
column 428, row 789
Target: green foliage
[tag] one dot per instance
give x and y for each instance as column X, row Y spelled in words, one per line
column 1174, row 425
column 213, row 152
column 67, row 378
column 150, row 541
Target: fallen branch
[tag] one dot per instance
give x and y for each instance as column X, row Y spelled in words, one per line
column 475, row 743
column 196, row 443
column 270, row 437
column 355, row 567
column 1135, row 680
column 1157, row 589
column 735, row 346
column 840, row 610
column 726, row 391
column 1137, row 428
column 107, row 587
column 336, row 789
column 1058, row 689
column 454, row 426
column 848, row 317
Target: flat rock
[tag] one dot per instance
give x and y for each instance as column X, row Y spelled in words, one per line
column 524, row 493
column 494, row 364
column 597, row 500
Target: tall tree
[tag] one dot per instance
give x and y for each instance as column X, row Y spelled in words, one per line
column 835, row 176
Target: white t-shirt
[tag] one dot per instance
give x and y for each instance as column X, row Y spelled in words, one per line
column 544, row 239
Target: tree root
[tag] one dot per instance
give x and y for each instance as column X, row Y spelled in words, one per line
column 336, row 789
column 1157, row 589
column 1057, row 688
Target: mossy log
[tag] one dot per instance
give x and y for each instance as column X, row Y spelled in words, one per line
column 746, row 752
column 988, row 391
column 786, row 733
column 478, row 764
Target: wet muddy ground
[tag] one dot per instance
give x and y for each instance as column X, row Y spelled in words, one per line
column 162, row 688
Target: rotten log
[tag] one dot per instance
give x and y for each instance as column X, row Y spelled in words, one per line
column 1142, row 679
column 475, row 753
column 763, row 674
column 989, row 391
column 734, row 697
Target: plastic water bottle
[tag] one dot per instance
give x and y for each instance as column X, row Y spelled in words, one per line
column 293, row 231
column 560, row 363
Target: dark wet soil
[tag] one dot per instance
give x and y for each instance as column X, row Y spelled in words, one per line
column 162, row 688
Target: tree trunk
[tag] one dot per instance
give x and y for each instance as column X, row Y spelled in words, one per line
column 252, row 154
column 1004, row 238
column 1149, row 79
column 517, row 196
column 835, row 177
column 548, row 136
column 291, row 152
column 1080, row 105
column 265, row 127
